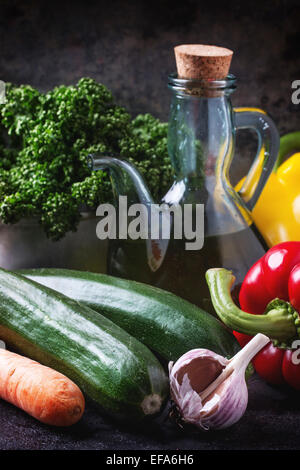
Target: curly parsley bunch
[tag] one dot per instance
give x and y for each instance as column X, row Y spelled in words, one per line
column 45, row 139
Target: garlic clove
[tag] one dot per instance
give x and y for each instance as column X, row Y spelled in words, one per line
column 227, row 404
column 209, row 390
column 191, row 374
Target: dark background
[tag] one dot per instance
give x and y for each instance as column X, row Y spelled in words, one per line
column 128, row 45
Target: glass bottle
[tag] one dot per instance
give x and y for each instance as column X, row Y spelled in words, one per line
column 201, row 142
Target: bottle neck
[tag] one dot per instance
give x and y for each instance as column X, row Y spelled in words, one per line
column 202, row 88
column 200, row 128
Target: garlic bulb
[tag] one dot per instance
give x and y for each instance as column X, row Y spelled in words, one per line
column 209, row 390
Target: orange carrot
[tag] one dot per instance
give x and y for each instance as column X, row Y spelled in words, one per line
column 42, row 392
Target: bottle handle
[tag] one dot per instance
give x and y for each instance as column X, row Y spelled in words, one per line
column 267, row 152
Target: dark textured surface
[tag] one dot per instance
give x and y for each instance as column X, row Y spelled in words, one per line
column 129, row 47
column 271, row 422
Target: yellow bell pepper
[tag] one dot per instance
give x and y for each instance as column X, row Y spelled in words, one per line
column 277, row 211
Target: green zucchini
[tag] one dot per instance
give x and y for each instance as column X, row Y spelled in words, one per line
column 109, row 365
column 166, row 323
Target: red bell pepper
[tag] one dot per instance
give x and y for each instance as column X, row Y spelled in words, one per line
column 274, row 276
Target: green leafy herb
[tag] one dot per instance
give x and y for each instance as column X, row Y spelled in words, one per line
column 45, row 139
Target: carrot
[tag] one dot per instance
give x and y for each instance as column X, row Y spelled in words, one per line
column 42, row 392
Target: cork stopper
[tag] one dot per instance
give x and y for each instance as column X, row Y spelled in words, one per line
column 196, row 61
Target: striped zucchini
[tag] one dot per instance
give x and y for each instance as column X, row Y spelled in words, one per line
column 166, row 323
column 108, row 364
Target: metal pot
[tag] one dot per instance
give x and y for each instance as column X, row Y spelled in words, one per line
column 25, row 245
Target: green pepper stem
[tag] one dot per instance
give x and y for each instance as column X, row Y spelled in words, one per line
column 279, row 323
column 288, row 143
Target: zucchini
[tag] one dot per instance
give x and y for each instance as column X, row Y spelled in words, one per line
column 169, row 325
column 110, row 366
